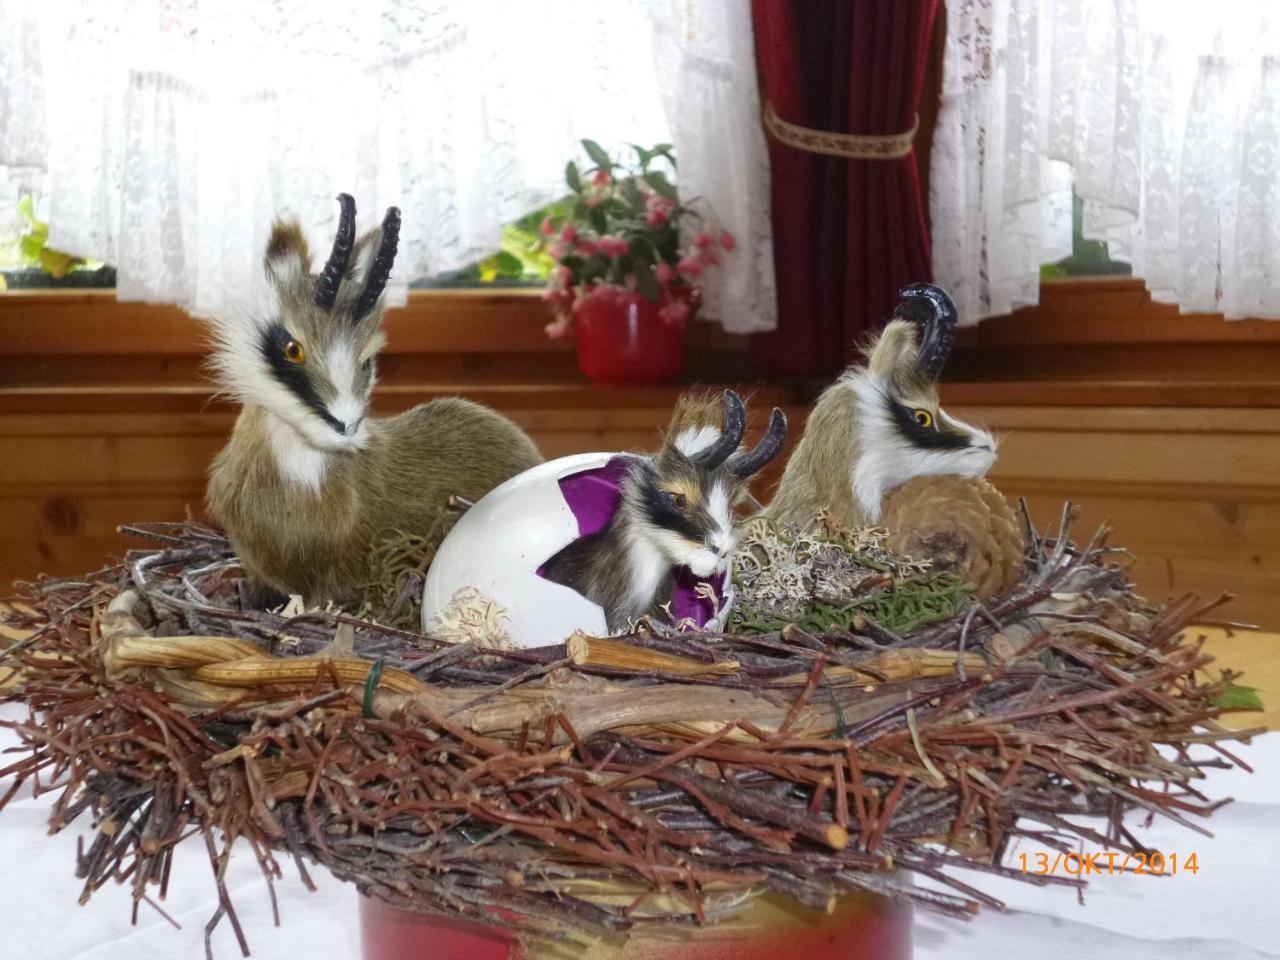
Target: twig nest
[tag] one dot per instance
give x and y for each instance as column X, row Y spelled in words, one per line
column 962, row 524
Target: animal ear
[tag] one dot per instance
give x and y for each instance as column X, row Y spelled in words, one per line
column 733, row 423
column 287, row 259
column 894, row 353
column 696, row 422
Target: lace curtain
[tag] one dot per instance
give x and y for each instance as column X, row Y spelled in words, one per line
column 1164, row 113
column 168, row 133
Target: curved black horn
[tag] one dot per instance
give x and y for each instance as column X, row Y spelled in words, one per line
column 735, row 422
column 930, row 307
column 380, row 269
column 327, row 285
column 745, row 465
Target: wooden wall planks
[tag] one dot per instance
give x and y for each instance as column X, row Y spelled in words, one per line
column 1194, row 494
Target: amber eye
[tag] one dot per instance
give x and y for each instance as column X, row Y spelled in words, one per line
column 293, row 352
column 923, row 417
column 676, row 500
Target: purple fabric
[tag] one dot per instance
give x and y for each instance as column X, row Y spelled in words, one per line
column 594, row 495
column 685, row 602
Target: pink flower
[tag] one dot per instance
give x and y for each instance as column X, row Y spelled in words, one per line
column 664, row 273
column 703, row 240
column 559, row 328
column 594, row 198
column 691, row 266
column 569, row 234
column 547, row 228
column 601, row 178
column 562, row 277
column 614, row 246
column 677, row 311
column 557, row 250
column 657, row 209
column 727, row 241
column 587, row 248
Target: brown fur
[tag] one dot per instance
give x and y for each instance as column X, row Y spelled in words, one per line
column 818, row 476
column 317, row 541
column 603, row 567
column 317, row 544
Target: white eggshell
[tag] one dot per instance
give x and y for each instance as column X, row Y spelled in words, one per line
column 498, row 545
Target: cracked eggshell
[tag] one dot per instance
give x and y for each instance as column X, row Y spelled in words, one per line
column 497, row 546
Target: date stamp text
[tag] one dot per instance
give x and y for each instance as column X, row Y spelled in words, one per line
column 1109, row 863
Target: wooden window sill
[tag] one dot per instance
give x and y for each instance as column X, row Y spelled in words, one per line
column 1089, row 343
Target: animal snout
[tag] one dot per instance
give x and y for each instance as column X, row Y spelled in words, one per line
column 348, row 429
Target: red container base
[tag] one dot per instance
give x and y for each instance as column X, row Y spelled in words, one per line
column 862, row 927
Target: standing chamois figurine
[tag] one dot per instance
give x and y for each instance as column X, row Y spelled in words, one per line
column 309, row 484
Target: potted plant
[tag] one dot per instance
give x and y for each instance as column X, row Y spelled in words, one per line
column 625, row 284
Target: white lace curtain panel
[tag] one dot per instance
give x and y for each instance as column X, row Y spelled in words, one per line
column 1164, row 113
column 168, row 133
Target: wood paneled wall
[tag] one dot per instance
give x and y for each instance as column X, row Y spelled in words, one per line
column 109, row 423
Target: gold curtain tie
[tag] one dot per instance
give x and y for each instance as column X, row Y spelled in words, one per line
column 851, row 146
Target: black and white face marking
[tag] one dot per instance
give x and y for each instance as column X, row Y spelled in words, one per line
column 685, row 515
column 895, row 443
column 288, row 365
column 925, row 429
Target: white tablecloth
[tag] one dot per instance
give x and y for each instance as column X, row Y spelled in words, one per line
column 1229, row 910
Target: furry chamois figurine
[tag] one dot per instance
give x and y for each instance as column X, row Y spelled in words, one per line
column 309, row 483
column 675, row 519
column 879, row 449
column 880, row 424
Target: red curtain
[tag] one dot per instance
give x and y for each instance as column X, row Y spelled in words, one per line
column 847, row 233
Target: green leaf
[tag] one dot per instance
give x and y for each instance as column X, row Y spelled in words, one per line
column 643, row 156
column 599, row 219
column 1237, row 697
column 572, row 177
column 620, row 209
column 630, row 191
column 643, row 250
column 597, row 154
column 647, row 282
column 508, row 264
column 661, row 184
column 666, row 150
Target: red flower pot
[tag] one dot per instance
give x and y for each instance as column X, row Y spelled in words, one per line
column 622, row 338
column 862, row 925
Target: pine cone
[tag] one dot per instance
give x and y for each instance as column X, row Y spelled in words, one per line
column 962, row 524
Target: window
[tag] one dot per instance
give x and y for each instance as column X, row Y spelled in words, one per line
column 1089, row 258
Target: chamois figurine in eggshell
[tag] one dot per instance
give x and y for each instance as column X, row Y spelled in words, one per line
column 595, row 541
column 878, row 449
column 309, row 482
